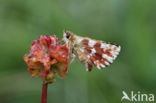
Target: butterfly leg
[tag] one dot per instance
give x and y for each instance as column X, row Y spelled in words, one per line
column 73, row 58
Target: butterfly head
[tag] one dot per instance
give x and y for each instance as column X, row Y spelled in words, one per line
column 67, row 35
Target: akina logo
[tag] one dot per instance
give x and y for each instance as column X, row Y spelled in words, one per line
column 138, row 96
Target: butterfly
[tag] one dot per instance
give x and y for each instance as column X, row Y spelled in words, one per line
column 90, row 52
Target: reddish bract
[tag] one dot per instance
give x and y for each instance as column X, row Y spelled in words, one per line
column 47, row 57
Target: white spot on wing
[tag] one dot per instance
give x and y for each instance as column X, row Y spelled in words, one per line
column 103, row 66
column 79, row 40
column 110, row 59
column 118, row 49
column 113, row 46
column 91, row 43
column 98, row 66
column 95, row 62
column 93, row 51
column 103, row 45
column 88, row 56
column 106, row 63
column 82, row 50
column 115, row 52
column 115, row 56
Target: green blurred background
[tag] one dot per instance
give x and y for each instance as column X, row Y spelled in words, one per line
column 129, row 23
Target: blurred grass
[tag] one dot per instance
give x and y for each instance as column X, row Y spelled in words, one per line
column 129, row 23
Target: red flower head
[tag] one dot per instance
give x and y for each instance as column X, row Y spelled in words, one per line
column 47, row 57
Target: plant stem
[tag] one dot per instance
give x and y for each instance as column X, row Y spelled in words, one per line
column 44, row 92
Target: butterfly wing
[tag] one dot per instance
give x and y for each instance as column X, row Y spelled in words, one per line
column 96, row 53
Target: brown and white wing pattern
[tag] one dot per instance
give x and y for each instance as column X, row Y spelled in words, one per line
column 96, row 53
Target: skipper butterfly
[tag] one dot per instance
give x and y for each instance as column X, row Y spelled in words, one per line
column 90, row 52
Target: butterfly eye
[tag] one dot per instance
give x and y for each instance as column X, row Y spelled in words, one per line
column 68, row 35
